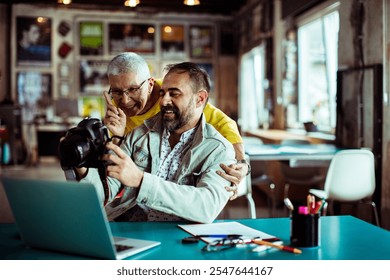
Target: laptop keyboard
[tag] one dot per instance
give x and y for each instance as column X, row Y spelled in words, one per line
column 120, row 248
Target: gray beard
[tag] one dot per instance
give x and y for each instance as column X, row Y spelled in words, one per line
column 180, row 119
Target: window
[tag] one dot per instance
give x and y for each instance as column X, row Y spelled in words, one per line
column 317, row 42
column 252, row 102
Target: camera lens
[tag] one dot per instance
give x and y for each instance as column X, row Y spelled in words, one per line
column 74, row 151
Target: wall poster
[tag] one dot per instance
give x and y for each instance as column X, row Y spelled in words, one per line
column 128, row 37
column 172, row 41
column 91, row 38
column 93, row 77
column 34, row 91
column 93, row 106
column 33, row 41
column 201, row 41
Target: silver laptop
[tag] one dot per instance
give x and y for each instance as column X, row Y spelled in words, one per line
column 66, row 217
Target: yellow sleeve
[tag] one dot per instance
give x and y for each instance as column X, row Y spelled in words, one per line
column 225, row 125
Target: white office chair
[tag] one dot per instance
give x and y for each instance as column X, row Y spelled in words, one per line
column 258, row 177
column 245, row 189
column 350, row 178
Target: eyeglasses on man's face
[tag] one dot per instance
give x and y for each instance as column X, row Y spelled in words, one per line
column 117, row 93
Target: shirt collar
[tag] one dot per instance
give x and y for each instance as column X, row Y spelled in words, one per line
column 184, row 136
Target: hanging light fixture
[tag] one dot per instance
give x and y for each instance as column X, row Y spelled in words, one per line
column 131, row 3
column 191, row 2
column 65, row 2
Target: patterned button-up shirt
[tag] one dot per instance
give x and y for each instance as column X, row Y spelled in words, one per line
column 170, row 160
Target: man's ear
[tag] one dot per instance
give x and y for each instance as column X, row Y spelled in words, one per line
column 202, row 98
column 151, row 84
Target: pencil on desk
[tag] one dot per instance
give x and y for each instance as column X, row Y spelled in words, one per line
column 280, row 247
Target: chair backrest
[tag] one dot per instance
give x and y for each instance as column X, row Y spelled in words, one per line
column 351, row 175
column 259, row 167
column 244, row 187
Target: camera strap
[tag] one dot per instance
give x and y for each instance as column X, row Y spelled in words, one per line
column 70, row 174
column 103, row 178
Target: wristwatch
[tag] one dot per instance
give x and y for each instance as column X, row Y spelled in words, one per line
column 247, row 163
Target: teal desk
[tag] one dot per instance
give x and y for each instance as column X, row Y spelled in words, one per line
column 342, row 238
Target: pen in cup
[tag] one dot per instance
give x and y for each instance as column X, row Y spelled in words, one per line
column 322, row 205
column 288, row 204
column 303, row 210
column 318, row 207
column 311, row 204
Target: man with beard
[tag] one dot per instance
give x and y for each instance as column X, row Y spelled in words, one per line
column 167, row 166
column 134, row 97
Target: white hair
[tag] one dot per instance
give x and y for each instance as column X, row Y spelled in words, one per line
column 128, row 62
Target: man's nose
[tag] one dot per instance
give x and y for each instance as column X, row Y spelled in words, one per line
column 165, row 99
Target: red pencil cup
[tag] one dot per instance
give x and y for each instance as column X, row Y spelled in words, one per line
column 305, row 230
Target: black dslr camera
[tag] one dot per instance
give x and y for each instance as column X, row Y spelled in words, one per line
column 84, row 145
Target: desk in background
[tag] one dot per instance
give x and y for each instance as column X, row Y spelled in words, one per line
column 300, row 155
column 276, row 136
column 342, row 238
column 310, row 155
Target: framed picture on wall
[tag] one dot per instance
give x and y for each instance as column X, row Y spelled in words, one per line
column 34, row 92
column 92, row 106
column 33, row 35
column 127, row 37
column 172, row 41
column 91, row 38
column 201, row 41
column 93, row 77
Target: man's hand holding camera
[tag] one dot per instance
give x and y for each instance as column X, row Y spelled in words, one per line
column 121, row 165
column 88, row 145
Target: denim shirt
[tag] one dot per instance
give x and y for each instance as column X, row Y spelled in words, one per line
column 197, row 192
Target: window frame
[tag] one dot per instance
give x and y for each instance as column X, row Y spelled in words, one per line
column 316, row 13
column 246, row 110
